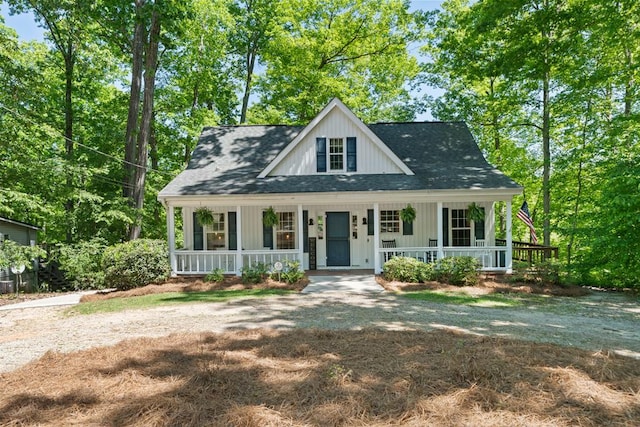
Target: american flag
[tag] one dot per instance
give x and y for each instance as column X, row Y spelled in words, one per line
column 524, row 216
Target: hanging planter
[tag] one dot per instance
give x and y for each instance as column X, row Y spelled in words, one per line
column 205, row 216
column 270, row 217
column 475, row 212
column 408, row 214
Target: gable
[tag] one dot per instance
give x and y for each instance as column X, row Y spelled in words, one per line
column 336, row 127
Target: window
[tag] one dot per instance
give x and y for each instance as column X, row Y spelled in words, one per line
column 389, row 221
column 215, row 233
column 285, row 234
column 336, row 154
column 460, row 228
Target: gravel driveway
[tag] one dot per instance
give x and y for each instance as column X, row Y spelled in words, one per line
column 602, row 321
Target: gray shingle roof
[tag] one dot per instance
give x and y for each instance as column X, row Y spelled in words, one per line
column 443, row 155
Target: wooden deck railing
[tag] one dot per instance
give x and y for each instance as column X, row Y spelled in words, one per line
column 530, row 253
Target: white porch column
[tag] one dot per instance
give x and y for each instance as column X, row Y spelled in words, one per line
column 509, row 254
column 440, row 234
column 301, row 226
column 376, row 239
column 239, row 240
column 171, row 238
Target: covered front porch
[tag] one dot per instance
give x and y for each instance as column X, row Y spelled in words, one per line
column 338, row 233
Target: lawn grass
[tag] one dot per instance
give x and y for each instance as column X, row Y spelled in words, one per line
column 160, row 299
column 490, row 300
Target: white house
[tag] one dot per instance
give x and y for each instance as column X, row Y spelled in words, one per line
column 338, row 187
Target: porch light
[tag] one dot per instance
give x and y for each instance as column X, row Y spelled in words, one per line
column 310, row 221
column 364, row 220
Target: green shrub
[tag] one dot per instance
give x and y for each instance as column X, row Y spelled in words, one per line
column 256, row 273
column 291, row 272
column 458, row 271
column 549, row 272
column 136, row 263
column 14, row 254
column 217, row 276
column 406, row 269
column 81, row 264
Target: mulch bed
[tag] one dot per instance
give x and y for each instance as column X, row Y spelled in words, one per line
column 195, row 284
column 488, row 285
column 324, row 378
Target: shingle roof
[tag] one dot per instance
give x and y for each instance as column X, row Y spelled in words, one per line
column 443, row 155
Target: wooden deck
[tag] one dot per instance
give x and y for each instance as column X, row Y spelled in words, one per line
column 531, row 253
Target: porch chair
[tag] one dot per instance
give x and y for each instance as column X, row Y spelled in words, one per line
column 386, row 244
column 433, row 243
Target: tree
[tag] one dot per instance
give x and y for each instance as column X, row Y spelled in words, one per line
column 356, row 50
column 255, row 27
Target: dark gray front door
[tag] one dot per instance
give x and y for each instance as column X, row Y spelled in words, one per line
column 338, row 252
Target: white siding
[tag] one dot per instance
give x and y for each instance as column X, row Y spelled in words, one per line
column 302, row 159
column 425, row 227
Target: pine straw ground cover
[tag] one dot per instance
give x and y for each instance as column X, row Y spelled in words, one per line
column 324, row 378
column 195, row 284
column 488, row 284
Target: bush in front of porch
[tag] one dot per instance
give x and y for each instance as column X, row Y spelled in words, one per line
column 406, row 269
column 136, row 263
column 458, row 271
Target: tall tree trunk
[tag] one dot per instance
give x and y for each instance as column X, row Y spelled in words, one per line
column 546, row 132
column 137, row 48
column 69, row 62
column 576, row 206
column 628, row 87
column 151, row 65
column 251, row 62
column 546, row 160
column 153, row 156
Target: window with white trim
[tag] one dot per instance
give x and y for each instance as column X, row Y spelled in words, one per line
column 216, row 233
column 285, row 234
column 460, row 228
column 336, row 154
column 390, row 221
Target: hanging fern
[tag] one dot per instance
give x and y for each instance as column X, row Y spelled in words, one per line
column 270, row 217
column 475, row 212
column 205, row 216
column 408, row 214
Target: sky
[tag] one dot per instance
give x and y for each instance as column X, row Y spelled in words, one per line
column 28, row 30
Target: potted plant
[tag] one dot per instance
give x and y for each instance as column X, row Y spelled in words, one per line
column 408, row 214
column 270, row 217
column 475, row 212
column 205, row 216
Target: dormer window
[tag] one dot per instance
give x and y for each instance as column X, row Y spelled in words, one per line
column 336, row 154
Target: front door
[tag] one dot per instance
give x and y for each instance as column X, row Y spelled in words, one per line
column 338, row 251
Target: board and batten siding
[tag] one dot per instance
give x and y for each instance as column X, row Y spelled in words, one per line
column 251, row 225
column 302, row 159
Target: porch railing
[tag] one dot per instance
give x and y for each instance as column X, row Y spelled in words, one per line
column 489, row 257
column 530, row 253
column 203, row 262
column 269, row 257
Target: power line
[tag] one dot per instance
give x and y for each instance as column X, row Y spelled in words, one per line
column 79, row 144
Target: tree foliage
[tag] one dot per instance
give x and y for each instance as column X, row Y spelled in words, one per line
column 550, row 90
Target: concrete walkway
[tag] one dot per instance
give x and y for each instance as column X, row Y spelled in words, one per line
column 360, row 284
column 65, row 299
